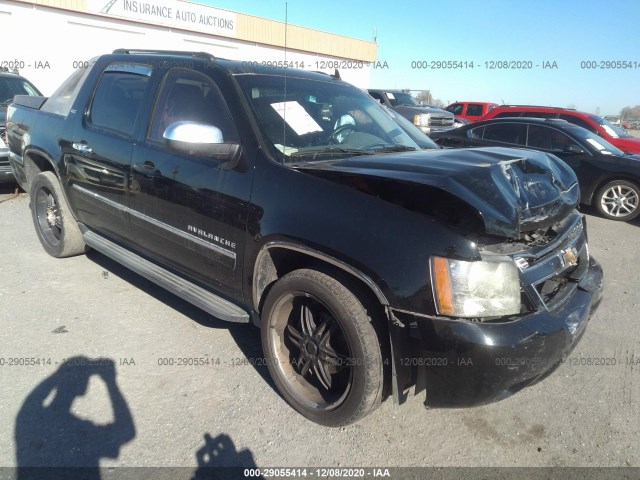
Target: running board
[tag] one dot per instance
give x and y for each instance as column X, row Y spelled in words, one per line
column 198, row 296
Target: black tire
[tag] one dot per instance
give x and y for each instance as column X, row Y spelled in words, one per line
column 321, row 348
column 56, row 228
column 618, row 200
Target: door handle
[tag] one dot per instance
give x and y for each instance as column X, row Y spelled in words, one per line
column 148, row 169
column 82, row 148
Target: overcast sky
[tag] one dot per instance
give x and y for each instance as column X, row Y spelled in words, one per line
column 532, row 32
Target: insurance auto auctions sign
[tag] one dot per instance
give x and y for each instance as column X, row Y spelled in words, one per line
column 171, row 13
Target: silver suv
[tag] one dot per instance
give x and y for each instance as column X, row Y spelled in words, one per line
column 428, row 119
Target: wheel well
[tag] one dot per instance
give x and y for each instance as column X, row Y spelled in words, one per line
column 603, row 182
column 35, row 164
column 275, row 262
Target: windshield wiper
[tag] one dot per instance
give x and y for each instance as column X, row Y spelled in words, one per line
column 394, row 148
column 324, row 151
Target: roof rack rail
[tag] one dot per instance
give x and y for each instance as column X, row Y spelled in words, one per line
column 203, row 55
column 537, row 106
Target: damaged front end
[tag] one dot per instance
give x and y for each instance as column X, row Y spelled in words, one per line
column 508, row 316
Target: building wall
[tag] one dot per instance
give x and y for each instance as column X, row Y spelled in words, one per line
column 47, row 39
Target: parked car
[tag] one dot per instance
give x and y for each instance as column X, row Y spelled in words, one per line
column 10, row 85
column 427, row 119
column 609, row 178
column 471, row 111
column 291, row 200
column 594, row 123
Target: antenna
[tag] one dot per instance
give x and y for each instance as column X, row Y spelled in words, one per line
column 284, row 106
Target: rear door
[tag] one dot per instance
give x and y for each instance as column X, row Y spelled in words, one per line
column 100, row 152
column 474, row 112
column 187, row 211
column 568, row 149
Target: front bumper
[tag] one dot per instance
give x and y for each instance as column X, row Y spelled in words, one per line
column 431, row 129
column 6, row 173
column 466, row 364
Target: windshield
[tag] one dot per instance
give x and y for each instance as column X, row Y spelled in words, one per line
column 401, row 98
column 317, row 119
column 11, row 86
column 595, row 141
column 613, row 130
column 414, row 132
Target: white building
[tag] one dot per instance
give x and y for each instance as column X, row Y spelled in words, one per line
column 46, row 40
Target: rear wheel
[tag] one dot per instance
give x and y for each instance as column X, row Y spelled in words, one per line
column 618, row 200
column 321, row 348
column 57, row 230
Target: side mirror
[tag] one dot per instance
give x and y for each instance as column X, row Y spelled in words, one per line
column 574, row 149
column 199, row 139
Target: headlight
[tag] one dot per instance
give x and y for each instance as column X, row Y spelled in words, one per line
column 421, row 119
column 475, row 289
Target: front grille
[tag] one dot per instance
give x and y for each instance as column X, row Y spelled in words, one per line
column 441, row 121
column 2, row 132
column 551, row 277
column 554, row 290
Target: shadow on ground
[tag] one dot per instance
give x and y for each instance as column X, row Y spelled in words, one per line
column 246, row 336
column 48, row 433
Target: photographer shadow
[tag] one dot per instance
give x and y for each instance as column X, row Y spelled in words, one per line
column 52, row 442
column 219, row 460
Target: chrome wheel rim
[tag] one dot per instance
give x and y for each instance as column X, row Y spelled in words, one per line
column 619, row 201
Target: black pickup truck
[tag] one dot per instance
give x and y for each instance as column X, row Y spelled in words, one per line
column 292, row 200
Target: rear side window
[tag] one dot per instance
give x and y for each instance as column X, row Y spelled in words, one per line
column 117, row 99
column 515, row 133
column 61, row 101
column 474, row 110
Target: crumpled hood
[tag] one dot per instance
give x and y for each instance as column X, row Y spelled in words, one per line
column 514, row 190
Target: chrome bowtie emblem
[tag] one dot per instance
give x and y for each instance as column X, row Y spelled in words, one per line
column 570, row 257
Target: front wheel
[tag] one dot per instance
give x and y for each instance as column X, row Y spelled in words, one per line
column 321, row 348
column 57, row 230
column 618, row 200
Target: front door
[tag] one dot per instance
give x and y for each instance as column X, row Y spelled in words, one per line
column 187, row 211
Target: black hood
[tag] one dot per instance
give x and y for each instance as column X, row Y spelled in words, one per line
column 514, row 190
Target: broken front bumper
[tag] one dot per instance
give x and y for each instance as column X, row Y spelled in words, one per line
column 465, row 364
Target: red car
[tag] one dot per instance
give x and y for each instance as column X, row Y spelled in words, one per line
column 472, row 111
column 594, row 123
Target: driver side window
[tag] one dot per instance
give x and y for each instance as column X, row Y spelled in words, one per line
column 187, row 95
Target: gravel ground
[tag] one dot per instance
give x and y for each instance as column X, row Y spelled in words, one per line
column 582, row 415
